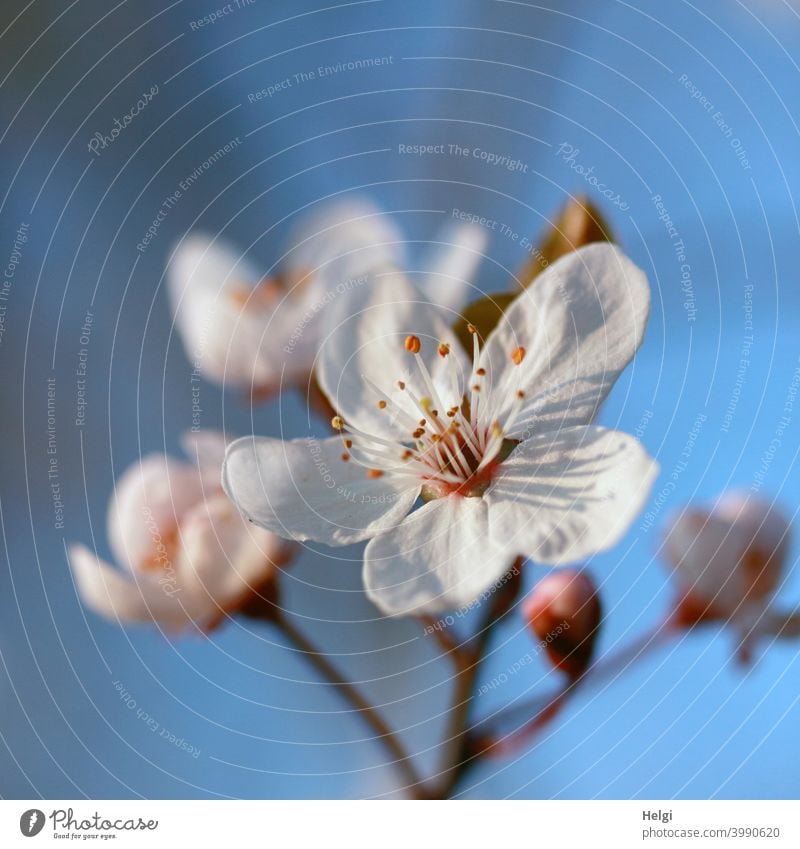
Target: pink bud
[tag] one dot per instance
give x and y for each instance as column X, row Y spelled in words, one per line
column 564, row 613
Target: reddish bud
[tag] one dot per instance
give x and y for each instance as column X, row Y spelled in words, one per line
column 564, row 613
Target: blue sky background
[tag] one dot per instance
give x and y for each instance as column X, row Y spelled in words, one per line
column 519, row 79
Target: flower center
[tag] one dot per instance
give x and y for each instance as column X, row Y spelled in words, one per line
column 451, row 449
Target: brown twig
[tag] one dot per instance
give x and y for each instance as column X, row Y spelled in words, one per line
column 370, row 715
column 460, row 756
column 782, row 624
column 461, row 654
column 542, row 711
column 779, row 623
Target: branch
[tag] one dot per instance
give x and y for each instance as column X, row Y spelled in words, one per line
column 460, row 755
column 533, row 715
column 780, row 624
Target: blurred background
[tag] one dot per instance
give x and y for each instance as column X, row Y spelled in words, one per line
column 694, row 106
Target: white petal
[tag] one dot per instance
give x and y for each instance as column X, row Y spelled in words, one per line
column 561, row 497
column 346, row 238
column 223, row 556
column 767, row 527
column 206, row 449
column 441, row 557
column 303, row 490
column 233, row 332
column 731, row 555
column 149, row 501
column 116, row 596
column 367, row 328
column 580, row 323
column 204, row 265
column 450, row 264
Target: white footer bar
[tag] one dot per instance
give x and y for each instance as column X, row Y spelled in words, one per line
column 238, row 825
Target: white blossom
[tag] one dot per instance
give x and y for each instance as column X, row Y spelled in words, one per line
column 499, row 444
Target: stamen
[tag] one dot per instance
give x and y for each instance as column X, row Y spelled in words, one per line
column 429, row 385
column 451, row 447
column 369, row 437
column 514, row 411
column 459, row 463
column 476, row 353
column 411, row 467
column 413, row 344
column 423, row 406
column 384, row 397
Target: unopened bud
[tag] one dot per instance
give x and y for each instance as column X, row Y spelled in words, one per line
column 564, row 613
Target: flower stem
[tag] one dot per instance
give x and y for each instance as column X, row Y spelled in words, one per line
column 370, row 714
column 783, row 624
column 460, row 754
column 460, row 651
